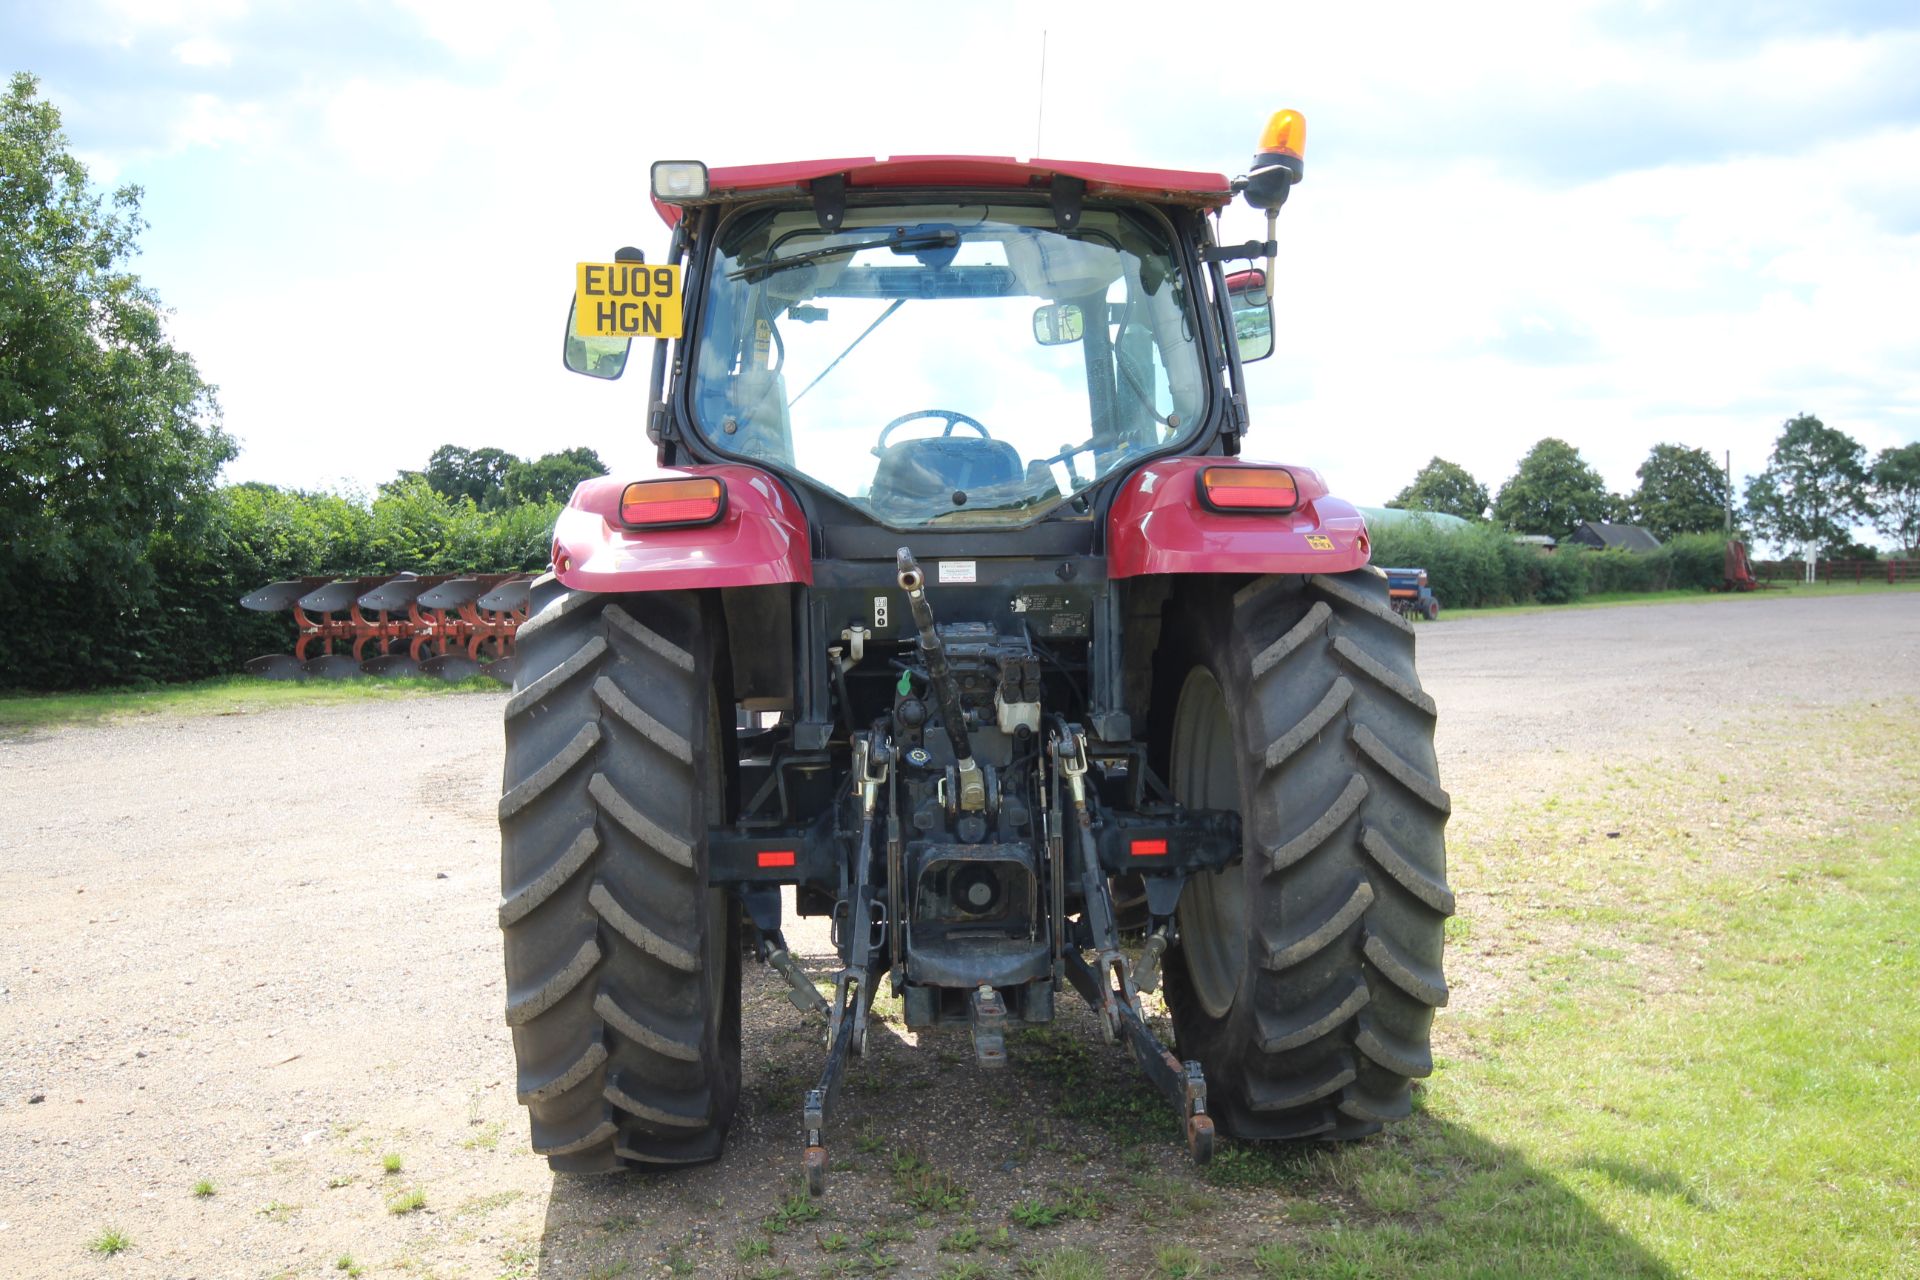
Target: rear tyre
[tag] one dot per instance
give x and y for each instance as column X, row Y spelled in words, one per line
column 1431, row 609
column 623, row 973
column 1307, row 974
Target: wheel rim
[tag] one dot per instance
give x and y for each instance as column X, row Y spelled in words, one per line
column 1213, row 910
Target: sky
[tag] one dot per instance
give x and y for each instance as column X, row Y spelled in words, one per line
column 1617, row 223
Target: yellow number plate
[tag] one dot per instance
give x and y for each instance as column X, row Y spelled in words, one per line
column 625, row 300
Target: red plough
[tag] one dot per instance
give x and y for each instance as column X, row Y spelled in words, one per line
column 445, row 625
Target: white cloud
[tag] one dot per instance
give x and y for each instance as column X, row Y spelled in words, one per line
column 1529, row 219
column 203, row 51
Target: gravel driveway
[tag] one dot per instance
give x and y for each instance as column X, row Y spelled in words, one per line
column 260, row 950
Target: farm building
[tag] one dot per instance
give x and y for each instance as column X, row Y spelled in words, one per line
column 1611, row 537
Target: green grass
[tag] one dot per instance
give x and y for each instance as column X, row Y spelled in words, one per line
column 392, row 1162
column 202, row 1189
column 221, row 696
column 346, row 1263
column 1064, row 1264
column 1708, row 1064
column 410, row 1201
column 1179, row 1262
column 965, row 1240
column 1035, row 1214
column 790, row 1213
column 1610, row 599
column 921, row 1186
column 110, row 1241
column 967, row 1269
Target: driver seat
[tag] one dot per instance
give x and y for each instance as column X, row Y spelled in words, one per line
column 931, row 468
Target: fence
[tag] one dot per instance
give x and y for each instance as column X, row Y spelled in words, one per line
column 1790, row 571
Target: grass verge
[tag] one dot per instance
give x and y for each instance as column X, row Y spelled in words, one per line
column 1704, row 1050
column 1613, row 599
column 222, row 696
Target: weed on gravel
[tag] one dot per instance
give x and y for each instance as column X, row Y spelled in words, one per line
column 921, row 1186
column 1179, row 1262
column 965, row 1240
column 110, row 1241
column 202, row 1189
column 1064, row 1264
column 411, row 1201
column 967, row 1270
column 790, row 1213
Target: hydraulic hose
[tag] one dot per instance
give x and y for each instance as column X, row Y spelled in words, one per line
column 945, row 691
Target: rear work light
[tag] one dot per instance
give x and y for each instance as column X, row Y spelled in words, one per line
column 658, row 504
column 1270, row 489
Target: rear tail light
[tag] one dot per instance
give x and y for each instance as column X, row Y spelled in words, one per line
column 655, row 504
column 1148, row 848
column 1249, row 489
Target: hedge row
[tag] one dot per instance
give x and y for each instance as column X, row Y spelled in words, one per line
column 1482, row 565
column 182, row 620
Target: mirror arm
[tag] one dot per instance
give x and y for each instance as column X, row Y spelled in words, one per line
column 1268, row 248
column 659, row 422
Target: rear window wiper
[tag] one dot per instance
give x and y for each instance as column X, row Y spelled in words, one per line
column 903, row 240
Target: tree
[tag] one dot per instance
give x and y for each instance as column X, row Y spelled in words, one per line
column 1446, row 487
column 479, row 474
column 551, row 477
column 1553, row 491
column 1896, row 495
column 1814, row 487
column 1681, row 490
column 107, row 433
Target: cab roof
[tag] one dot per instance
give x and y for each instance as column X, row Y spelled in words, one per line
column 1167, row 186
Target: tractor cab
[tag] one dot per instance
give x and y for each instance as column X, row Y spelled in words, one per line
column 949, row 342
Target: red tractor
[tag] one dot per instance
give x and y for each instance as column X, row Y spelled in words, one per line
column 953, row 613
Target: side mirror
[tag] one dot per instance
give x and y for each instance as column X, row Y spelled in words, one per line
column 1252, row 314
column 1059, row 322
column 596, row 357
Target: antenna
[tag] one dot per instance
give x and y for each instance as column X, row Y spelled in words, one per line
column 1040, row 108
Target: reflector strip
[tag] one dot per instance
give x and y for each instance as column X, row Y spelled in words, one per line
column 776, row 857
column 1149, row 848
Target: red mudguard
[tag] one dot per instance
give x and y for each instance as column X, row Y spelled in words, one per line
column 1158, row 525
column 760, row 539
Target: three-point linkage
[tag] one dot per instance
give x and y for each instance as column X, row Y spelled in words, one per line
column 986, row 856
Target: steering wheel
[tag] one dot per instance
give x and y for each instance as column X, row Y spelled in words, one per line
column 953, row 419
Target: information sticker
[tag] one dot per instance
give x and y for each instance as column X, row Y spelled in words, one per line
column 956, row 571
